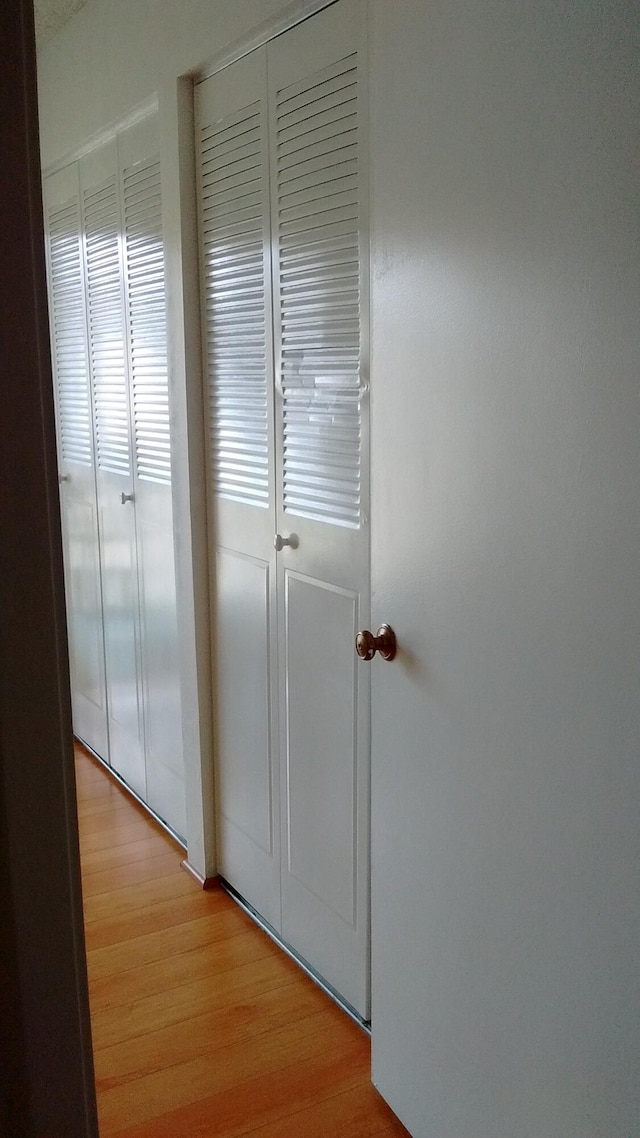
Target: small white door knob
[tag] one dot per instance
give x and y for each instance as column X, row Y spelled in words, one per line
column 126, row 497
column 279, row 541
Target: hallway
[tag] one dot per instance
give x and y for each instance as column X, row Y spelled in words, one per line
column 201, row 1025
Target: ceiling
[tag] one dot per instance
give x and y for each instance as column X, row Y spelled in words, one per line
column 52, row 15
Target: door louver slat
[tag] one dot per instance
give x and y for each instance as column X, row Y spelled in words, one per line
column 318, row 217
column 144, row 257
column 106, row 327
column 234, row 217
column 71, row 369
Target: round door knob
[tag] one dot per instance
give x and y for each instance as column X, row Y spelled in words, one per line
column 126, row 497
column 385, row 643
column 279, row 541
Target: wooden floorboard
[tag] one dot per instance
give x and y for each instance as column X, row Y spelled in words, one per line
column 201, row 1026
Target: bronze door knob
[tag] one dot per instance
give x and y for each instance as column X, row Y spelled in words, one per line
column 385, row 643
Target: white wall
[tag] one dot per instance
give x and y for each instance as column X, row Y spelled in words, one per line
column 506, row 555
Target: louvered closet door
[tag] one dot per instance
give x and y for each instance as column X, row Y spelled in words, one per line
column 288, row 455
column 237, row 344
column 320, row 305
column 144, row 296
column 76, row 458
column 108, row 355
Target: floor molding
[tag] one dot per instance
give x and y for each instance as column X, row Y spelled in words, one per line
column 203, row 882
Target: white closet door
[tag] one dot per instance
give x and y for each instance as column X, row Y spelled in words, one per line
column 76, row 458
column 143, row 254
column 115, row 488
column 233, row 208
column 320, row 307
column 281, row 178
column 108, row 326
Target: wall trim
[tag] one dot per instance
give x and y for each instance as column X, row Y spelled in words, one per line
column 106, row 134
column 206, row 883
column 293, row 14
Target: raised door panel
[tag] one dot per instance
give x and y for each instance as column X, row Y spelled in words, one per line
column 76, row 458
column 234, row 239
column 161, row 678
column 109, row 368
column 82, row 578
column 247, row 836
column 321, row 907
column 321, row 721
column 320, row 309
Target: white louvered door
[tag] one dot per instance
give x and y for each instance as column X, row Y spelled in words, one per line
column 282, row 256
column 320, row 307
column 144, row 295
column 235, row 281
column 76, row 458
column 115, row 474
column 108, row 320
column 108, row 328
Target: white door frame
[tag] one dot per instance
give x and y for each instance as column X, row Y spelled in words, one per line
column 44, row 984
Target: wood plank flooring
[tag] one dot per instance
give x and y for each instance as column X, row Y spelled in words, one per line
column 201, row 1025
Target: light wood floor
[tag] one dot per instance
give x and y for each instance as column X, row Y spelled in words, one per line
column 201, row 1025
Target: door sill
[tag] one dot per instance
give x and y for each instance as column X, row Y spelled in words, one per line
column 365, row 1025
column 125, row 786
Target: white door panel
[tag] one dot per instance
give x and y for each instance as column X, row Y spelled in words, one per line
column 243, row 588
column 233, row 208
column 160, row 639
column 318, row 179
column 76, row 458
column 84, row 582
column 115, row 467
column 84, row 618
column 161, row 688
column 248, row 838
column 322, row 873
column 506, row 476
column 120, row 593
column 144, row 288
column 321, row 726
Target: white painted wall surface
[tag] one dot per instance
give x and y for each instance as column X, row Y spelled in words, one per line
column 506, row 554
